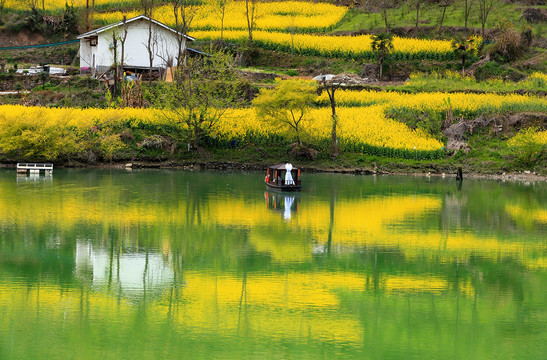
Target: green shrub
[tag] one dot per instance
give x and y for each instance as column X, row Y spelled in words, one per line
column 488, row 70
column 513, row 74
column 529, row 146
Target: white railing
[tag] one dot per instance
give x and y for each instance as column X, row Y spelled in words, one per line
column 34, row 167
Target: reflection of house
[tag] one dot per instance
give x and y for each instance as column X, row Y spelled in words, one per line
column 130, row 273
column 97, row 49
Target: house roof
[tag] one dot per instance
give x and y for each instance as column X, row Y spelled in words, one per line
column 198, row 52
column 119, row 23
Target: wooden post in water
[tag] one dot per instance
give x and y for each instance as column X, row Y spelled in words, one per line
column 459, row 175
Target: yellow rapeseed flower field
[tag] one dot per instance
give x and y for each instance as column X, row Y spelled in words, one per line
column 276, row 15
column 363, row 125
column 537, row 137
column 276, row 23
column 462, row 103
column 360, row 129
column 355, row 47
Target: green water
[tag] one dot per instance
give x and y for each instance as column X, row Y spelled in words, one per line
column 184, row 265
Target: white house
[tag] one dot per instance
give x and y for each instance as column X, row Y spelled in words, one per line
column 97, row 49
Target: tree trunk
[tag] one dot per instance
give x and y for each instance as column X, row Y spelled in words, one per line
column 467, row 11
column 87, row 15
column 334, row 138
column 418, row 3
column 442, row 18
column 381, row 61
column 222, row 26
column 115, row 50
column 385, row 18
column 123, row 46
column 150, row 52
column 249, row 13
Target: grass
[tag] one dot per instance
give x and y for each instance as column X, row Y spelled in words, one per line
column 430, row 14
column 451, row 82
column 490, row 155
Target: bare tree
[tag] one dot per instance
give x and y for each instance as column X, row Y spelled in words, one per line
column 383, row 6
column 330, row 84
column 184, row 12
column 148, row 8
column 89, row 10
column 484, row 10
column 32, row 4
column 2, row 5
column 123, row 38
column 219, row 8
column 115, row 63
column 250, row 12
column 418, row 4
column 444, row 5
column 119, row 36
column 467, row 11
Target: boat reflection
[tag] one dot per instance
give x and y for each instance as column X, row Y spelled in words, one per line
column 282, row 203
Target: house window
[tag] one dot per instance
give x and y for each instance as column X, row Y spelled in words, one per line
column 93, row 41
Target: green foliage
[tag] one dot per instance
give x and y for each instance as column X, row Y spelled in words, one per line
column 44, row 77
column 382, row 45
column 427, row 121
column 367, row 18
column 528, row 147
column 466, row 48
column 201, row 93
column 287, row 105
column 452, row 81
column 109, row 144
column 488, row 70
column 29, row 141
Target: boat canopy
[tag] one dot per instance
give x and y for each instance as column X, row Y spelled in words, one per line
column 280, row 167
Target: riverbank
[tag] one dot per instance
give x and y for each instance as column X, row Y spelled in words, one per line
column 426, row 170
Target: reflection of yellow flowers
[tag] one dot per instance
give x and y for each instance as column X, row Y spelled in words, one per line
column 370, row 222
column 527, row 216
column 290, row 305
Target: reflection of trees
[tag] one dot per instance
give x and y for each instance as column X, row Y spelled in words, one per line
column 482, row 207
column 332, row 203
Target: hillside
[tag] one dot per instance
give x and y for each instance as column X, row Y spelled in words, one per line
column 299, row 40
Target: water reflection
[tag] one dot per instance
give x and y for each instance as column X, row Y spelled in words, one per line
column 148, row 263
column 127, row 274
column 285, row 203
column 46, row 177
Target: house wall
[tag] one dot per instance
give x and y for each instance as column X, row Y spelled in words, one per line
column 86, row 57
column 165, row 46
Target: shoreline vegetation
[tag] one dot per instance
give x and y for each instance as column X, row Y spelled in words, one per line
column 427, row 100
column 216, row 165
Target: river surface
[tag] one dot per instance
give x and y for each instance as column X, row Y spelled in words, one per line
column 152, row 264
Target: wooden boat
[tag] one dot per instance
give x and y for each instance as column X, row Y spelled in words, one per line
column 283, row 177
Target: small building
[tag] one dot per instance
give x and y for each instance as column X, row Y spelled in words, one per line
column 97, row 46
